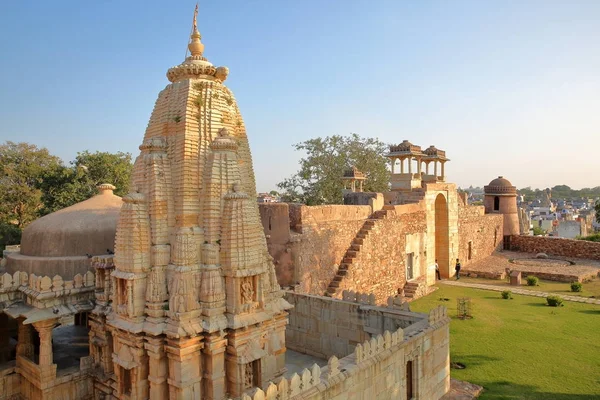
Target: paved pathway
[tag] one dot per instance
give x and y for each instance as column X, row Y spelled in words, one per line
column 578, row 299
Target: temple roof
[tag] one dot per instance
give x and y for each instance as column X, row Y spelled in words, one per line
column 196, row 65
column 354, row 173
column 84, row 228
column 405, row 148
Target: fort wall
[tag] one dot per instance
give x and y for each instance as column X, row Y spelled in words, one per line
column 556, row 246
column 479, row 234
column 375, row 368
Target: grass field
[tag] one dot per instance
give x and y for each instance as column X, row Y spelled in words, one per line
column 590, row 289
column 521, row 348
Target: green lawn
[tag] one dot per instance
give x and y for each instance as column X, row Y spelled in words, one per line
column 521, row 348
column 590, row 289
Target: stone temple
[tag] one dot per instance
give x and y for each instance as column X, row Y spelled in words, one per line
column 190, row 306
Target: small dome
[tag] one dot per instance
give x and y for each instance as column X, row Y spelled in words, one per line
column 500, row 185
column 84, row 228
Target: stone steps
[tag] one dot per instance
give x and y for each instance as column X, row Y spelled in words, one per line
column 352, row 253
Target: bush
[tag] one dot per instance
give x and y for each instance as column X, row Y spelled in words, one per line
column 532, row 281
column 592, row 238
column 576, row 287
column 506, row 294
column 554, row 301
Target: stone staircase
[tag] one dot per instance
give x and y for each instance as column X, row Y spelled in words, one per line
column 352, row 253
column 415, row 289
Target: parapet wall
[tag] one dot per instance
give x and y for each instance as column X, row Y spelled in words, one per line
column 325, row 327
column 376, row 367
column 556, row 246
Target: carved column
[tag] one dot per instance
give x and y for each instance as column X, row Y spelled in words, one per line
column 44, row 329
column 185, row 368
column 25, row 342
column 215, row 345
column 158, row 373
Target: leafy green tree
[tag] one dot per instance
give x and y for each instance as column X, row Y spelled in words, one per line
column 65, row 186
column 319, row 179
column 22, row 167
column 597, row 208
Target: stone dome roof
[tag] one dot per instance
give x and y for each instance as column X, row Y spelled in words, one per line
column 84, row 228
column 500, row 185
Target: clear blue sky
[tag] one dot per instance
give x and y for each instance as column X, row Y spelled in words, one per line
column 505, row 87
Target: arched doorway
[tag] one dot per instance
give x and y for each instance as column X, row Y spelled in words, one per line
column 442, row 249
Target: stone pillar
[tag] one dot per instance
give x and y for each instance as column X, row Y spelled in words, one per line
column 25, row 340
column 427, row 168
column 185, row 368
column 402, row 165
column 44, row 329
column 214, row 386
column 158, row 373
column 442, row 170
column 410, row 165
column 435, row 170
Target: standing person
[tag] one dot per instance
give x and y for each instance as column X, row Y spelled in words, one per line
column 437, row 271
column 457, row 269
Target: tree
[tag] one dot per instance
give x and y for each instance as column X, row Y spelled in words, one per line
column 65, row 186
column 597, row 208
column 22, row 167
column 319, row 179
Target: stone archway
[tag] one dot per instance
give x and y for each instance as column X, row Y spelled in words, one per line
column 442, row 248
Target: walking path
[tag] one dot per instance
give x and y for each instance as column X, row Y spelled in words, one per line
column 578, row 299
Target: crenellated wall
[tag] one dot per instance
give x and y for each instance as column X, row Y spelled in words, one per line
column 556, row 246
column 374, row 367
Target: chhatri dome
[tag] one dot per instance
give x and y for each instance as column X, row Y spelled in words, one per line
column 59, row 243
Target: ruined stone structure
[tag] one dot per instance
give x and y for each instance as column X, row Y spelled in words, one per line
column 188, row 305
column 385, row 243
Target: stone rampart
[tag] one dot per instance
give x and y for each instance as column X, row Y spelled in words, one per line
column 479, row 234
column 556, row 246
column 376, row 367
column 379, row 267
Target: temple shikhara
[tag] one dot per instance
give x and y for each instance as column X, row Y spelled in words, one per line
column 175, row 290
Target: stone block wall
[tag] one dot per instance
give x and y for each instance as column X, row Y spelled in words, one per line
column 325, row 327
column 479, row 232
column 556, row 246
column 10, row 382
column 326, row 234
column 275, row 218
column 380, row 265
column 377, row 367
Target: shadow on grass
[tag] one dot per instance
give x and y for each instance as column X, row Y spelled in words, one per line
column 473, row 360
column 544, row 304
column 593, row 312
column 504, row 390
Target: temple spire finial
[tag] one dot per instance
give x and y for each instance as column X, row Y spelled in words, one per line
column 196, row 47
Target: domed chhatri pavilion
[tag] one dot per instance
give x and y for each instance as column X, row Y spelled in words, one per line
column 61, row 243
column 188, row 307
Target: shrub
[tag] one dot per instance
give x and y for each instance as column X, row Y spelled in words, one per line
column 576, row 287
column 532, row 281
column 554, row 301
column 506, row 294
